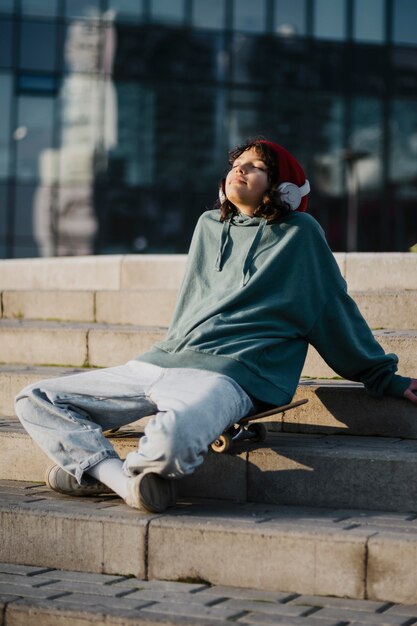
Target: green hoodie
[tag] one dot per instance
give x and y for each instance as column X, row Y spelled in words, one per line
column 254, row 295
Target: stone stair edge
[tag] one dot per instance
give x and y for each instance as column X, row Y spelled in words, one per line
column 365, row 269
column 329, row 552
column 288, row 469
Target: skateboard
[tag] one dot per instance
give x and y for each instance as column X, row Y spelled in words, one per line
column 245, row 430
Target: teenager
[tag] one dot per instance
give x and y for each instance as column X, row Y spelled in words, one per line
column 260, row 285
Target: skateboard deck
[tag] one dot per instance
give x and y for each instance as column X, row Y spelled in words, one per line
column 245, row 430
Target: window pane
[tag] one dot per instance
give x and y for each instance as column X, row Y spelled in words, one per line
column 403, row 155
column 5, row 111
column 23, row 219
column 405, row 20
column 290, row 17
column 368, row 20
column 249, row 16
column 367, row 139
column 3, row 219
column 6, row 6
column 127, row 10
column 6, row 38
column 209, row 15
column 37, row 45
column 40, row 7
column 167, row 10
column 82, row 8
column 330, row 19
column 33, row 135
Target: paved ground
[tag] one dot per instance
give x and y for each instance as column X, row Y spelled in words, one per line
column 35, row 595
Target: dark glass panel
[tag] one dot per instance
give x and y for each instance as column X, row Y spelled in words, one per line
column 5, row 126
column 39, row 7
column 369, row 20
column 25, row 244
column 167, row 11
column 330, row 19
column 82, row 8
column 290, row 17
column 37, row 45
column 405, row 20
column 35, row 121
column 126, row 10
column 249, row 16
column 209, row 14
column 6, row 42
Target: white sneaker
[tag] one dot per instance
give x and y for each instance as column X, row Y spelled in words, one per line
column 150, row 492
column 59, row 480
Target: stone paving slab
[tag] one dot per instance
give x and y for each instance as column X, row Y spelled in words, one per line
column 268, row 549
column 121, row 600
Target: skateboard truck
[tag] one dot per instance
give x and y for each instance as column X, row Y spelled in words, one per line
column 244, row 430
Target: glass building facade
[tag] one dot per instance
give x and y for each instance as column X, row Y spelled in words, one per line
column 117, row 115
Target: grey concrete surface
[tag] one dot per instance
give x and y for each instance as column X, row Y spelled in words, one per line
column 54, row 597
column 268, row 548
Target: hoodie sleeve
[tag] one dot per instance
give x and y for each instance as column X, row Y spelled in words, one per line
column 345, row 341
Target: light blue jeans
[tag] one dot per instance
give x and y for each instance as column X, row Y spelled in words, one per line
column 66, row 416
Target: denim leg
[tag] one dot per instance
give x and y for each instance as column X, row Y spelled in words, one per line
column 66, row 416
column 194, row 407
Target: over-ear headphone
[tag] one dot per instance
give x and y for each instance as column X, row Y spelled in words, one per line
column 292, row 194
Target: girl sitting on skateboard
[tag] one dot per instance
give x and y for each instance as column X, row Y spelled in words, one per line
column 261, row 284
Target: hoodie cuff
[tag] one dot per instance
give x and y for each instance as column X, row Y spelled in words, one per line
column 397, row 386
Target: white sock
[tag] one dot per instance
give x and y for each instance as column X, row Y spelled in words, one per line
column 110, row 472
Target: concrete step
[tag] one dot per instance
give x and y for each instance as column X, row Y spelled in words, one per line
column 364, row 271
column 73, row 344
column 327, row 552
column 140, row 307
column 48, row 596
column 151, row 271
column 101, row 345
column 304, row 470
column 334, row 407
column 154, row 307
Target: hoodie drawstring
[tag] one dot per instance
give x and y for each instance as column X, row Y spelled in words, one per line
column 223, row 243
column 224, row 237
column 251, row 252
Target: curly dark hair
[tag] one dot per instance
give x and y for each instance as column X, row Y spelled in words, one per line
column 272, row 208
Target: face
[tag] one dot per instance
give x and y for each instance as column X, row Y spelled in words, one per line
column 247, row 182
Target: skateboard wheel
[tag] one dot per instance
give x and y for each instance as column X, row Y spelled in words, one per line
column 221, row 444
column 259, row 430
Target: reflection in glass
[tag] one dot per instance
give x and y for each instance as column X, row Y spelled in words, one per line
column 368, row 20
column 405, row 20
column 167, row 10
column 39, row 7
column 3, row 220
column 23, row 221
column 6, row 6
column 5, row 117
column 290, row 17
column 249, row 16
column 403, row 136
column 329, row 19
column 37, row 45
column 367, row 138
column 126, row 10
column 82, row 8
column 132, row 157
column 6, row 38
column 35, row 115
column 208, row 15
